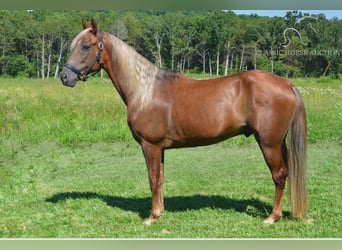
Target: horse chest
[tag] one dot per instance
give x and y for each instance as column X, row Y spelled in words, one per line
column 148, row 124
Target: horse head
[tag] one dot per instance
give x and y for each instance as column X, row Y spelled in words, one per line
column 86, row 51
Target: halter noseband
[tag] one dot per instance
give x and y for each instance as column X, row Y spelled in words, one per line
column 83, row 75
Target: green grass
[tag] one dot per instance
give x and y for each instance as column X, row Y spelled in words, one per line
column 69, row 168
column 323, row 101
column 101, row 190
column 48, row 111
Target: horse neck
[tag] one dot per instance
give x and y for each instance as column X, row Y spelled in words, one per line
column 132, row 74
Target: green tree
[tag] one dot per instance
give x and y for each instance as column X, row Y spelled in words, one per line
column 134, row 29
column 7, row 40
column 35, row 43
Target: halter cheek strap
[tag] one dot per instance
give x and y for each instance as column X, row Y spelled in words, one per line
column 83, row 75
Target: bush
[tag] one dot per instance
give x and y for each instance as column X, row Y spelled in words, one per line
column 19, row 66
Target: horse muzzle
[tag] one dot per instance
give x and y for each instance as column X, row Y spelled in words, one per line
column 68, row 77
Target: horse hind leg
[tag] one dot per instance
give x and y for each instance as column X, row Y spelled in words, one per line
column 275, row 157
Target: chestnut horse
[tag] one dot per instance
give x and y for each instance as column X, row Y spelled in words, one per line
column 169, row 110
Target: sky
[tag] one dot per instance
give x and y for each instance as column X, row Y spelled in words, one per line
column 281, row 13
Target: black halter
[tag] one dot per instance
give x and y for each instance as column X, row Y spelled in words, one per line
column 83, row 75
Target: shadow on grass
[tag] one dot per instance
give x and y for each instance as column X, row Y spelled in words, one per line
column 142, row 206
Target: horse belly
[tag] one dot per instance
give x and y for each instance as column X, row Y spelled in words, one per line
column 207, row 124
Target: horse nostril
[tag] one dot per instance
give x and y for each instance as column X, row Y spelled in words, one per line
column 64, row 77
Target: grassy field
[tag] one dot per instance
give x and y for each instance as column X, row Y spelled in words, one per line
column 69, row 168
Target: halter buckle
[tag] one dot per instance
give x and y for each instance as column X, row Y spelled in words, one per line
column 82, row 76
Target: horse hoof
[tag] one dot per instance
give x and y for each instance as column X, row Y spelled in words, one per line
column 268, row 221
column 271, row 219
column 150, row 220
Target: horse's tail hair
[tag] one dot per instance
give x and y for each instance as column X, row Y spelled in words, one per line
column 297, row 160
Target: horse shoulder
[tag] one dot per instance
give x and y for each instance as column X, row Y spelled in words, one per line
column 149, row 123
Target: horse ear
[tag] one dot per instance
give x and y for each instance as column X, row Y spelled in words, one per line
column 93, row 26
column 84, row 24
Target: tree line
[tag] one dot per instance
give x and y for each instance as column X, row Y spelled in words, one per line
column 36, row 43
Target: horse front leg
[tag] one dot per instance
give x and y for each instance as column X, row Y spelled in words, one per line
column 154, row 157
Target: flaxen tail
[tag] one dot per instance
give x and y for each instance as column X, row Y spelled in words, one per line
column 297, row 160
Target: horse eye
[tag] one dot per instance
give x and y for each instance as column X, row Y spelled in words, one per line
column 85, row 46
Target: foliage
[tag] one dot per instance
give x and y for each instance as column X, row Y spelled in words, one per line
column 35, row 43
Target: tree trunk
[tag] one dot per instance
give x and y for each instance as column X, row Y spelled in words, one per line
column 255, row 57
column 218, row 63
column 218, row 60
column 183, row 62
column 241, row 60
column 48, row 66
column 203, row 61
column 237, row 62
column 227, row 65
column 49, row 61
column 42, row 70
column 210, row 67
column 232, row 62
column 203, row 54
column 38, row 68
column 61, row 48
column 173, row 54
column 157, row 55
column 227, row 46
column 272, row 63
